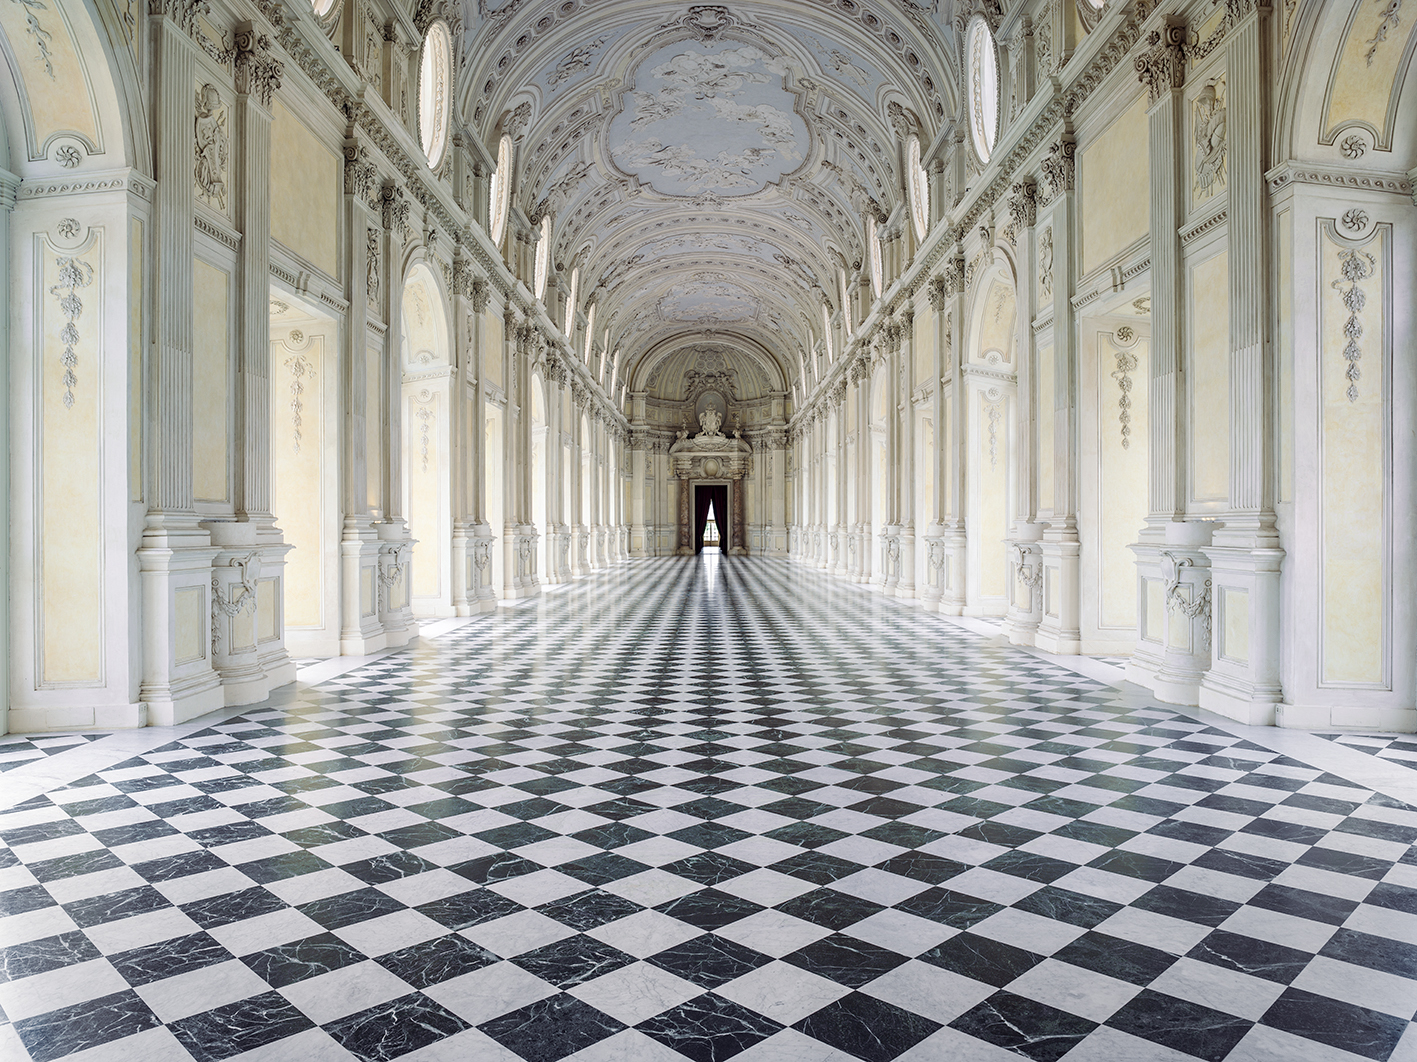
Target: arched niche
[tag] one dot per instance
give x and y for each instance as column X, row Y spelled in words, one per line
column 426, row 412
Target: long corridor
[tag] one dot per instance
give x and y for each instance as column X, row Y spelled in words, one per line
column 705, row 808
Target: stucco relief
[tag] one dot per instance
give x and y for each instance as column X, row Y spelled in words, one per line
column 1209, row 132
column 212, row 147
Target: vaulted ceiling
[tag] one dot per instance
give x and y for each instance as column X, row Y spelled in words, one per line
column 708, row 169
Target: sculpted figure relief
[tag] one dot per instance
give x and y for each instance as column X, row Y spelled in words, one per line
column 1210, row 139
column 210, row 169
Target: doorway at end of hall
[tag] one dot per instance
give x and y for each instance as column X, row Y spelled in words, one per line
column 711, row 499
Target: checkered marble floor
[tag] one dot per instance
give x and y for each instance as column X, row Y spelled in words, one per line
column 1397, row 748
column 709, row 808
column 18, row 751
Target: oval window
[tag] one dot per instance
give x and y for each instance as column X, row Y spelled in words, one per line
column 435, row 76
column 983, row 88
column 919, row 189
column 543, row 258
column 499, row 198
column 322, row 7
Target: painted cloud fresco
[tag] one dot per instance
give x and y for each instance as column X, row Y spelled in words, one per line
column 708, row 118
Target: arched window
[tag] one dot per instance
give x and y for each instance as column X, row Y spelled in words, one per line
column 589, row 331
column 499, row 198
column 322, row 7
column 873, row 246
column 435, row 78
column 919, row 188
column 571, row 302
column 983, row 88
column 543, row 258
column 845, row 301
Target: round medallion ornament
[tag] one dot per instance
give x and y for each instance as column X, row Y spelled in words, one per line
column 711, row 467
column 435, row 77
column 919, row 188
column 983, row 56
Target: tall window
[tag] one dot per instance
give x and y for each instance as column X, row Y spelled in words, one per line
column 571, row 302
column 435, row 77
column 983, row 88
column 827, row 333
column 543, row 258
column 873, row 247
column 845, row 301
column 499, row 198
column 919, row 188
column 589, row 331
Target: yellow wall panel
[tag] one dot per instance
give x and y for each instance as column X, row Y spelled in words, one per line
column 1210, row 379
column 1115, row 187
column 211, row 382
column 305, row 191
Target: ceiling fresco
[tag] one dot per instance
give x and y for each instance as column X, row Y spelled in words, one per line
column 708, row 168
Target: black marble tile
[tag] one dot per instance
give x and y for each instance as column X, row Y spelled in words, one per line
column 1190, row 906
column 1136, row 865
column 1375, row 952
column 588, row 910
column 324, row 833
column 846, row 960
column 1259, row 958
column 168, row 958
column 1030, row 865
column 24, row 900
column 437, row 960
column 347, row 908
column 1241, row 864
column 866, row 1027
column 182, row 865
column 1095, row 833
column 48, row 953
column 239, row 1027
column 112, row 906
column 96, row 1022
column 949, row 908
column 709, row 909
column 496, row 867
column 1394, row 897
column 300, row 959
column 1024, row 1026
column 391, row 866
column 602, row 868
column 709, row 960
column 572, row 961
column 1304, row 904
column 1122, row 959
column 709, row 1028
column 1363, row 1032
column 922, row 866
column 612, row 835
column 469, row 908
column 1180, row 1024
column 285, row 865
column 1075, row 908
column 709, row 868
column 829, row 908
column 817, row 867
column 419, row 834
column 552, row 1028
column 982, row 959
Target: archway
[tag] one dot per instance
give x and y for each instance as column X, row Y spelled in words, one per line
column 427, row 460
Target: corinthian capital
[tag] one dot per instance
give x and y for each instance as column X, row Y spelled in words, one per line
column 1161, row 68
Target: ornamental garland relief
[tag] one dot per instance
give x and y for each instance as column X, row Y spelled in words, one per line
column 1209, row 134
column 212, row 146
column 1045, row 261
column 74, row 275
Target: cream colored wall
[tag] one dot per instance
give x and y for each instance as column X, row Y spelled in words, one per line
column 211, row 383
column 374, row 426
column 493, row 339
column 1044, row 376
column 1365, row 82
column 1209, row 299
column 991, row 496
column 1114, row 179
column 71, row 451
column 1354, row 535
column 305, row 191
column 425, row 468
column 135, row 360
column 299, row 472
column 59, row 94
